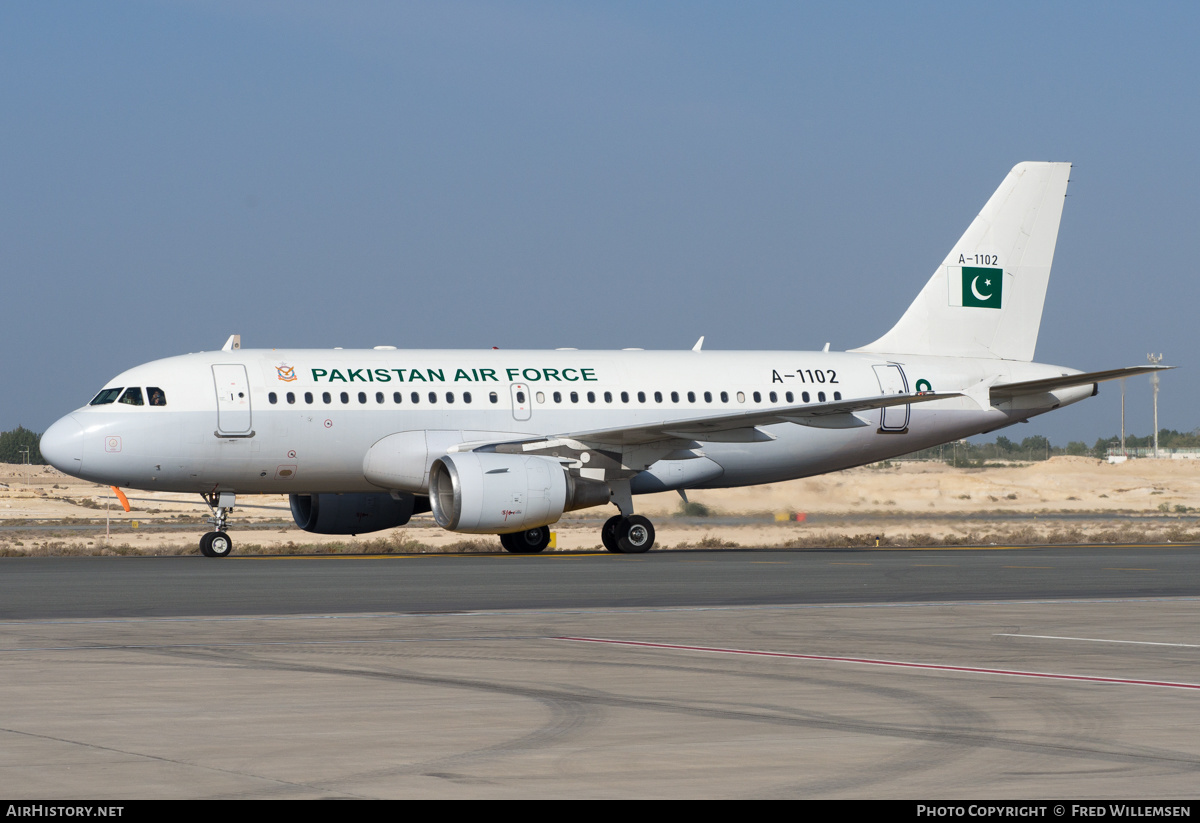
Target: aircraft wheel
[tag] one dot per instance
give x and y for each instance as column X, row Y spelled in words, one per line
column 531, row 541
column 608, row 534
column 219, row 544
column 206, row 544
column 635, row 535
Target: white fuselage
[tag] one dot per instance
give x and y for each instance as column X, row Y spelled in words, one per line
column 305, row 419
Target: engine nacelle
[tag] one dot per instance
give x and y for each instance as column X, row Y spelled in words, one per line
column 352, row 513
column 490, row 493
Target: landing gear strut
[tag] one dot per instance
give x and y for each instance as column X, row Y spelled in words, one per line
column 526, row 542
column 217, row 543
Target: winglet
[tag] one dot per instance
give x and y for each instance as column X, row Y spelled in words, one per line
column 699, row 343
column 233, row 343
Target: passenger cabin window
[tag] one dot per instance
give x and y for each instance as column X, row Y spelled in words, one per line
column 493, row 397
column 624, row 397
column 804, row 396
column 608, row 397
column 521, row 397
column 574, row 397
column 757, row 397
column 433, row 397
column 708, row 397
column 837, row 395
column 362, row 397
column 396, row 397
column 557, row 397
column 466, row 397
column 821, row 396
column 741, row 397
column 674, row 397
column 789, row 397
column 691, row 397
column 416, row 398
column 541, row 397
column 658, row 397
column 308, row 397
column 378, row 397
column 591, row 397
column 291, row 398
column 105, row 397
column 449, row 397
column 724, row 397
column 157, row 397
column 345, row 397
column 132, row 397
column 774, row 397
column 325, row 396
column 272, row 398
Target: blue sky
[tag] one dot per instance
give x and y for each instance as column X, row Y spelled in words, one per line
column 600, row 175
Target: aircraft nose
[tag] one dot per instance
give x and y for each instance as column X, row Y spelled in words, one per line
column 62, row 445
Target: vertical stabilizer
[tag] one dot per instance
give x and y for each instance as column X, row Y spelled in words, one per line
column 986, row 298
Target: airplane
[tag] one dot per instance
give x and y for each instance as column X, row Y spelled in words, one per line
column 505, row 442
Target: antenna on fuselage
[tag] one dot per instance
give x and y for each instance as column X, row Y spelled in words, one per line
column 233, row 343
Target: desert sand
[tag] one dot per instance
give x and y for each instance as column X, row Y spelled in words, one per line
column 1062, row 500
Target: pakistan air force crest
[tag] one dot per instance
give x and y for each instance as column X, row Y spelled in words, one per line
column 286, row 373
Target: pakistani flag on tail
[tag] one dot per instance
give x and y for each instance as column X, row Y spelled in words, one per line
column 982, row 287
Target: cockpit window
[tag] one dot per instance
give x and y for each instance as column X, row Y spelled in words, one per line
column 106, row 396
column 157, row 397
column 132, row 396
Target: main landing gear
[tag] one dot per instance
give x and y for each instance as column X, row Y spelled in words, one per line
column 218, row 543
column 627, row 535
column 526, row 542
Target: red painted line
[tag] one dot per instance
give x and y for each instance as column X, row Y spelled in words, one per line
column 898, row 663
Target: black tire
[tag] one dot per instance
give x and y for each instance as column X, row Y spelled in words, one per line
column 635, row 535
column 608, row 534
column 220, row 544
column 206, row 544
column 531, row 541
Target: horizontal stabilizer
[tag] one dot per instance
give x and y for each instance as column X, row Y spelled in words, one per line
column 1006, row 390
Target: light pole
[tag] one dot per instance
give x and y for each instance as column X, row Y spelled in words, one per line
column 1123, row 417
column 1154, row 360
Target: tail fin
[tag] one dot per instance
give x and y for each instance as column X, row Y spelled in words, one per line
column 986, row 298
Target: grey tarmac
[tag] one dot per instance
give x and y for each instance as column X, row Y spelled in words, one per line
column 934, row 674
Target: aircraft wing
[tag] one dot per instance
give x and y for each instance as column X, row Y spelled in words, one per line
column 738, row 427
column 1003, row 391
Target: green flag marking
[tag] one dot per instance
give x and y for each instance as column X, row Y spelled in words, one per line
column 981, row 287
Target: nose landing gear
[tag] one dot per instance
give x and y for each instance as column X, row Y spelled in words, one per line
column 217, row 543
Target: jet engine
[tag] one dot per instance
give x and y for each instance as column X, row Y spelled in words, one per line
column 352, row 513
column 490, row 493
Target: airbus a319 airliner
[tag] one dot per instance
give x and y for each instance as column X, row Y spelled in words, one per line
column 504, row 442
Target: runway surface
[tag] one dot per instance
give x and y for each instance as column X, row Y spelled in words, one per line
column 982, row 673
